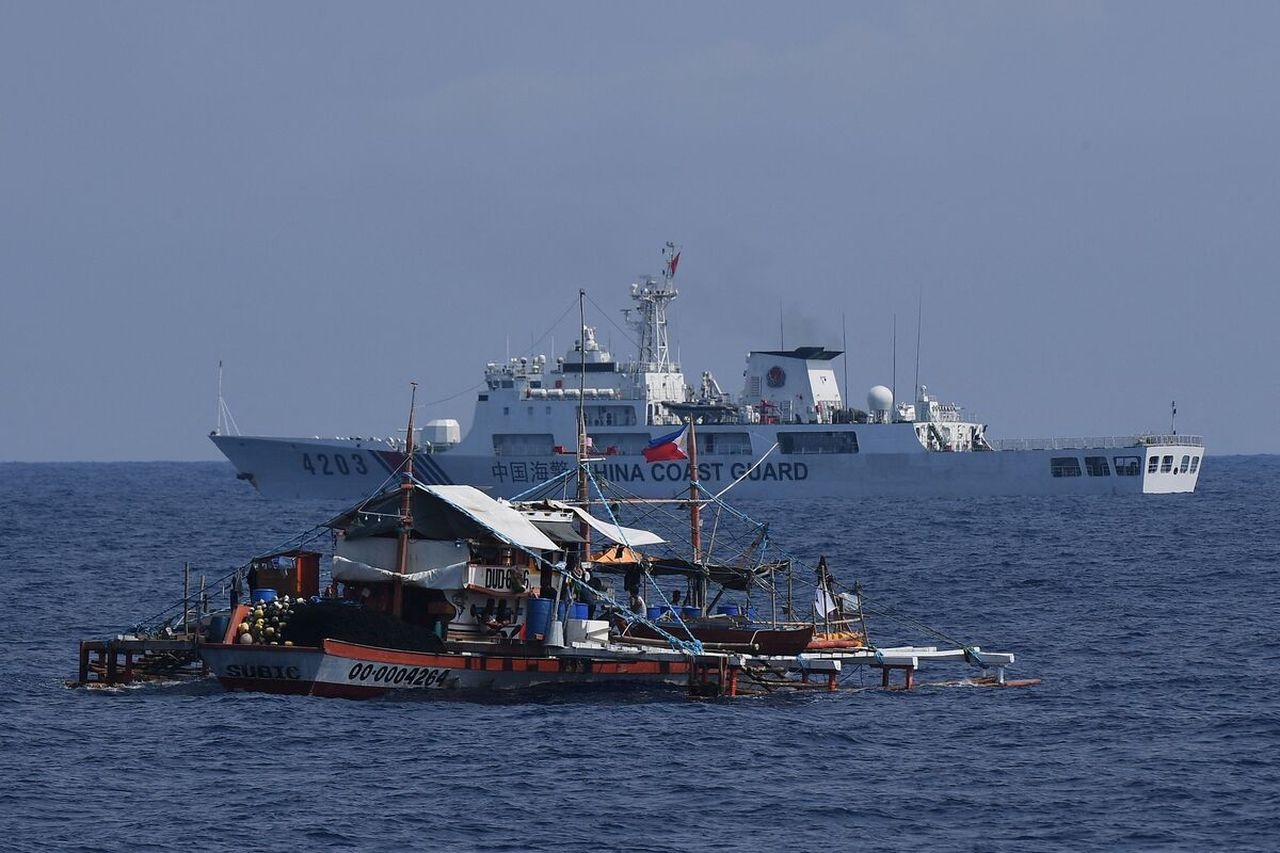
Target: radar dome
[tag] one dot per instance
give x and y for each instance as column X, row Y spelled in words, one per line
column 879, row 399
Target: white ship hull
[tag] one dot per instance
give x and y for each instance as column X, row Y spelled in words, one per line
column 349, row 469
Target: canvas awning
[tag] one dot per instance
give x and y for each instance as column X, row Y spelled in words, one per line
column 618, row 559
column 613, row 532
column 563, row 532
column 444, row 512
column 441, row 577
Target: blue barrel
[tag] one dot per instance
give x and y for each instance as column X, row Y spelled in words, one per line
column 263, row 595
column 579, row 611
column 538, row 617
column 654, row 613
column 690, row 612
column 218, row 625
column 728, row 609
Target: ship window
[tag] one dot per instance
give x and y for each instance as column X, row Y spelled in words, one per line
column 1195, row 464
column 506, row 410
column 523, row 444
column 724, row 443
column 1128, row 466
column 623, row 443
column 1153, row 464
column 1064, row 466
column 609, row 415
column 1097, row 466
column 1186, row 464
column 1166, row 465
column 818, row 442
column 507, row 383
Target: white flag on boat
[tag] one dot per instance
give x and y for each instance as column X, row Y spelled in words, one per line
column 825, row 603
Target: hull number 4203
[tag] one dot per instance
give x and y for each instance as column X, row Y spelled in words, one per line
column 327, row 465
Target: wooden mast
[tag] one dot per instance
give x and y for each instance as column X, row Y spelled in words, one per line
column 695, row 511
column 582, row 417
column 584, row 495
column 695, row 515
column 406, row 514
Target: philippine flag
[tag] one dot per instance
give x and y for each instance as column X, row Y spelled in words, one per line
column 669, row 447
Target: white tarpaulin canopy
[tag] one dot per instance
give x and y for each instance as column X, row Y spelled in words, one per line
column 443, row 513
column 612, row 532
column 432, row 564
column 498, row 516
column 444, row 577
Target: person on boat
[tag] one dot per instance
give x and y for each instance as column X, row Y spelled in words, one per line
column 587, row 592
column 637, row 602
column 632, row 578
column 675, row 598
column 597, row 587
column 237, row 587
column 549, row 578
column 494, row 617
column 253, row 577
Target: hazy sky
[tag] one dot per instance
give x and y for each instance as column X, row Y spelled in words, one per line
column 336, row 199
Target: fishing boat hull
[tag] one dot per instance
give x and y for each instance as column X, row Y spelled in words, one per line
column 350, row 670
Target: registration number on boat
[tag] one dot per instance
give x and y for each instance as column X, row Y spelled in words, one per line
column 397, row 676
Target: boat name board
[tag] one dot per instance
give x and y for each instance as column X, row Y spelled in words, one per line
column 499, row 578
column 263, row 670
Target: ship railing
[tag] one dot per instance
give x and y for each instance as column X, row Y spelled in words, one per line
column 1171, row 438
column 1095, row 442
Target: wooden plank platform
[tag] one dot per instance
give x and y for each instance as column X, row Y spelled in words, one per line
column 129, row 659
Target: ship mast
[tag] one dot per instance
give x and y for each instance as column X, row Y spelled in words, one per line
column 406, row 514
column 652, row 297
column 583, row 495
column 695, row 513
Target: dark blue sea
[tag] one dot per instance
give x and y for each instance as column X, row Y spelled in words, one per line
column 1152, row 622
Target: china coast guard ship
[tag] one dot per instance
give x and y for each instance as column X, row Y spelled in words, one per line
column 788, row 434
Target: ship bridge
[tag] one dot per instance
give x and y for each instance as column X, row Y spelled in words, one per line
column 790, row 386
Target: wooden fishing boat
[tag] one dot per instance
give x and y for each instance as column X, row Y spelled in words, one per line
column 462, row 606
